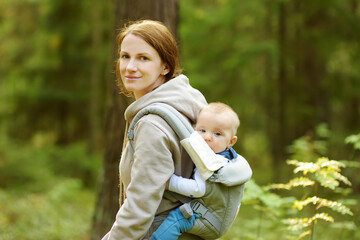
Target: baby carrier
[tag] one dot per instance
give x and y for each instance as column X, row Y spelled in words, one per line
column 225, row 182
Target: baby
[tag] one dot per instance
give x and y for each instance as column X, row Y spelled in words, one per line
column 217, row 123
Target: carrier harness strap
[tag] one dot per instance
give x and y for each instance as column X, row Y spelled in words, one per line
column 176, row 121
column 183, row 129
column 204, row 212
column 197, row 207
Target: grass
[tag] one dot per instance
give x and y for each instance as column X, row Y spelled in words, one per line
column 63, row 212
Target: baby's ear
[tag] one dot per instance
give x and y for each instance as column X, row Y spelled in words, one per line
column 232, row 141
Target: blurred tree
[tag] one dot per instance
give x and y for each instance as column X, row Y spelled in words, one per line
column 108, row 194
column 231, row 55
column 96, row 74
column 317, row 37
column 285, row 66
column 47, row 54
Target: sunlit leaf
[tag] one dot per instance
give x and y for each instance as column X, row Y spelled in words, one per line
column 296, row 182
column 320, row 202
column 304, row 167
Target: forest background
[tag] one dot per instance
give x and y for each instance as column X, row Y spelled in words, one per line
column 289, row 68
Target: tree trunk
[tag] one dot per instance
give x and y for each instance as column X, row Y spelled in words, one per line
column 95, row 77
column 108, row 193
column 354, row 103
column 278, row 119
column 310, row 69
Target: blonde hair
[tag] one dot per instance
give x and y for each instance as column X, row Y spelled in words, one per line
column 220, row 108
column 158, row 36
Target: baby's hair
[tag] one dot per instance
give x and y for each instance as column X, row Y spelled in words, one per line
column 220, row 108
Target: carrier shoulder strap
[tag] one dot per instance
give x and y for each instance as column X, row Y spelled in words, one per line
column 175, row 119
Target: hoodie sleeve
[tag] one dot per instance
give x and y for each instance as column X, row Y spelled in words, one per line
column 152, row 167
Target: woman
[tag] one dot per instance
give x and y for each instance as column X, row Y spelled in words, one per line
column 149, row 69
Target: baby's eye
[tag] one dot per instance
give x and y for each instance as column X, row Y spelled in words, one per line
column 201, row 130
column 217, row 134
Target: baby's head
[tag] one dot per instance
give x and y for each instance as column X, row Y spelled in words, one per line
column 217, row 124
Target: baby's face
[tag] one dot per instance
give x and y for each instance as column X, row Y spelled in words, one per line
column 216, row 129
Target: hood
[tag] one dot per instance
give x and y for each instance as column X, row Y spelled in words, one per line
column 178, row 93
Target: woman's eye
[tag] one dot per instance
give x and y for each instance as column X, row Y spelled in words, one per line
column 144, row 58
column 124, row 56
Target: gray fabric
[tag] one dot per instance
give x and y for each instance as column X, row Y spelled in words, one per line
column 234, row 173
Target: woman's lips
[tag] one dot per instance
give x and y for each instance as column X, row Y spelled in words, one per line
column 131, row 78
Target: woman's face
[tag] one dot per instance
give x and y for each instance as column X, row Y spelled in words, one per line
column 141, row 67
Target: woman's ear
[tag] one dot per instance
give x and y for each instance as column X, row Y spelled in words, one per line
column 166, row 70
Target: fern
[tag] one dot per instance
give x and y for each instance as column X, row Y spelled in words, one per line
column 320, row 202
column 296, row 182
column 317, row 171
column 311, row 171
column 296, row 224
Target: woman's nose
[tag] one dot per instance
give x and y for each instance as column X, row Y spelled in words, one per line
column 131, row 66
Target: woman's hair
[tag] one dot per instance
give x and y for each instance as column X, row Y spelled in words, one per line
column 222, row 108
column 157, row 35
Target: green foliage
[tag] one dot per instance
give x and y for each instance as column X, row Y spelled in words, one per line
column 322, row 172
column 320, row 202
column 354, row 140
column 325, row 171
column 44, row 79
column 64, row 212
column 262, row 198
column 270, row 207
column 316, row 194
column 46, row 191
column 309, row 147
column 36, row 166
column 223, row 53
column 295, row 182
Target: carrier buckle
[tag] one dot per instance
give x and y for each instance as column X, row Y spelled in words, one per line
column 199, row 208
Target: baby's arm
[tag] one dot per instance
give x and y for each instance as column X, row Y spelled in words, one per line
column 188, row 187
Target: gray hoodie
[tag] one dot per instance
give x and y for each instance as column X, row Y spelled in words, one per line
column 158, row 154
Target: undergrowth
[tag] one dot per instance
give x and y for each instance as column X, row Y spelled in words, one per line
column 316, row 203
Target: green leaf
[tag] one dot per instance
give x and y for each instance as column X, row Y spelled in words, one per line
column 354, row 140
column 304, row 167
column 295, row 224
column 320, row 202
column 324, row 162
column 353, row 164
column 271, row 200
column 322, row 130
column 296, row 182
